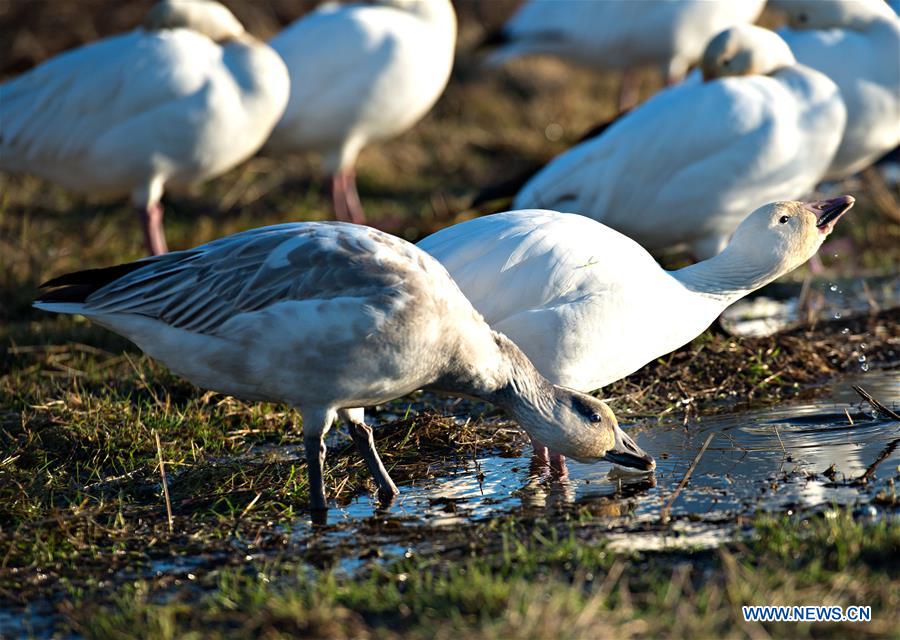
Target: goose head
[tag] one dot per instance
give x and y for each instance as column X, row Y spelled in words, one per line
column 833, row 14
column 584, row 428
column 780, row 236
column 210, row 18
column 745, row 50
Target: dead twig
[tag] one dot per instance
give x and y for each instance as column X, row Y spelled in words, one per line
column 780, row 441
column 880, row 409
column 664, row 514
column 872, row 400
column 884, row 455
column 165, row 485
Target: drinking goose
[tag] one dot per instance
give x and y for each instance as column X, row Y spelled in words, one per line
column 361, row 73
column 330, row 318
column 185, row 98
column 684, row 167
column 589, row 306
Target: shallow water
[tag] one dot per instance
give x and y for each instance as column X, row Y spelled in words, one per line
column 778, row 306
column 777, row 458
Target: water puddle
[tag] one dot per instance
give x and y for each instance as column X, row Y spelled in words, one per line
column 781, row 458
column 784, row 305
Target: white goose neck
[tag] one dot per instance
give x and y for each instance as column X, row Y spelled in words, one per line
column 727, row 276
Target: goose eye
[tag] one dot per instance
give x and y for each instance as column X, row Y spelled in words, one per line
column 784, row 219
column 726, row 62
column 596, row 417
column 801, row 18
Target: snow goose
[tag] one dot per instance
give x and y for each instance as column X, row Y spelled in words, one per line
column 183, row 99
column 360, row 73
column 622, row 35
column 331, row 317
column 856, row 43
column 684, row 167
column 590, row 306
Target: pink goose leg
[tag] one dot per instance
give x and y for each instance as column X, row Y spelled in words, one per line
column 345, row 198
column 152, row 223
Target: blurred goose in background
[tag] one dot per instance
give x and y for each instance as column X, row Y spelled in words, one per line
column 667, row 34
column 685, row 167
column 589, row 306
column 856, row 43
column 331, row 317
column 361, row 73
column 185, row 98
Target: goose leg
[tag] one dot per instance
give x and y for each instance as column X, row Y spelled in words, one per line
column 365, row 444
column 152, row 224
column 345, row 198
column 540, row 451
column 315, row 461
column 558, row 465
column 315, row 426
column 629, row 90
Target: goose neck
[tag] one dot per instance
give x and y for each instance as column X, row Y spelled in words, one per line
column 520, row 389
column 727, row 276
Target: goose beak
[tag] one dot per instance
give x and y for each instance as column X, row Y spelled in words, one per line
column 626, row 453
column 829, row 211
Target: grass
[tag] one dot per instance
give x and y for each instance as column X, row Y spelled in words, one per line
column 528, row 580
column 83, row 526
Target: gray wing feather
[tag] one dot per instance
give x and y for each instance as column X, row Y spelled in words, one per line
column 200, row 289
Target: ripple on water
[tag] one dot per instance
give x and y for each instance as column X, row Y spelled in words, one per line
column 769, row 459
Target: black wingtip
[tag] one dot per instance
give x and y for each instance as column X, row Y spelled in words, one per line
column 494, row 39
column 99, row 277
column 77, row 286
column 599, row 129
column 506, row 190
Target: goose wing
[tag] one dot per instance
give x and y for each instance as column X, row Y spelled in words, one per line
column 64, row 110
column 199, row 290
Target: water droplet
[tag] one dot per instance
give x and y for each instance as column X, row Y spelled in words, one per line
column 861, row 358
column 836, row 255
column 864, row 366
column 837, row 315
column 554, row 131
column 845, row 331
column 833, row 287
column 862, row 346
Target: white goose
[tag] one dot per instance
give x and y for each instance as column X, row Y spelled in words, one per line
column 330, row 317
column 856, row 43
column 590, row 306
column 685, row 167
column 361, row 73
column 622, row 35
column 183, row 99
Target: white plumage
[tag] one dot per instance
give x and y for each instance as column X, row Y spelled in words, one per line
column 856, row 43
column 135, row 113
column 330, row 317
column 590, row 306
column 361, row 73
column 686, row 166
column 623, row 34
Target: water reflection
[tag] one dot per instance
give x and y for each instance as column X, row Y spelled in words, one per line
column 774, row 458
